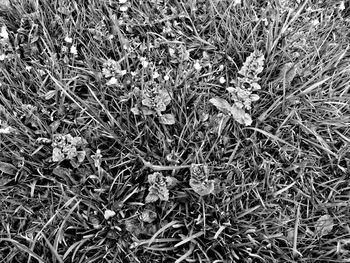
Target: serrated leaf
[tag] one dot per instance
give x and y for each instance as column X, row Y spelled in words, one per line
column 8, row 168
column 324, row 225
column 167, row 119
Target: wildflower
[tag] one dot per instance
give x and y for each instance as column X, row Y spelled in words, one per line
column 222, row 80
column 68, row 39
column 97, row 158
column 3, row 34
column 111, row 68
column 156, row 98
column 242, row 97
column 123, row 8
column 197, row 66
column 112, row 81
column 237, row 113
column 64, row 49
column 158, row 189
column 155, row 75
column 5, row 128
column 65, row 147
column 253, row 65
column 148, row 216
column 144, row 62
column 108, row 214
column 237, row 2
column 199, row 181
column 73, row 50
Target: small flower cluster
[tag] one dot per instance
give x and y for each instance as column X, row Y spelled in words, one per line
column 112, row 71
column 199, row 180
column 242, row 92
column 68, row 47
column 6, row 49
column 65, row 147
column 154, row 101
column 5, row 128
column 159, row 187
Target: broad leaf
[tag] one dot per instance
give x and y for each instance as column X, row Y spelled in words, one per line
column 202, row 187
column 324, row 225
column 241, row 116
column 8, row 168
column 168, row 119
column 221, row 104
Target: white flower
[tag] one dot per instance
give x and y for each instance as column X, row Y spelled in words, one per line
column 112, row 81
column 122, row 1
column 123, row 8
column 108, row 214
column 222, row 80
column 197, row 66
column 4, row 33
column 237, row 2
column 68, row 39
column 144, row 62
column 73, row 50
column 155, row 75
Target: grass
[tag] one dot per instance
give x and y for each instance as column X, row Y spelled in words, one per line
column 281, row 189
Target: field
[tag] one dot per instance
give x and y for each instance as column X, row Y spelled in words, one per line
column 174, row 131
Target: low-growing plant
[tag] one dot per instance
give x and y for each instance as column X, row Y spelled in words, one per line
column 241, row 93
column 199, row 180
column 67, row 147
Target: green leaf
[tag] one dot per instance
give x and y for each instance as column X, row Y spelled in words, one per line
column 202, row 188
column 165, row 97
column 324, row 225
column 221, row 104
column 135, row 110
column 57, row 155
column 146, row 111
column 8, row 168
column 168, row 119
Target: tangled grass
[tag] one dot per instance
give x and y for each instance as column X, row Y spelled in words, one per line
column 174, row 131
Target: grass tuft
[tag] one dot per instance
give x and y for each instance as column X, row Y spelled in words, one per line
column 145, row 131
